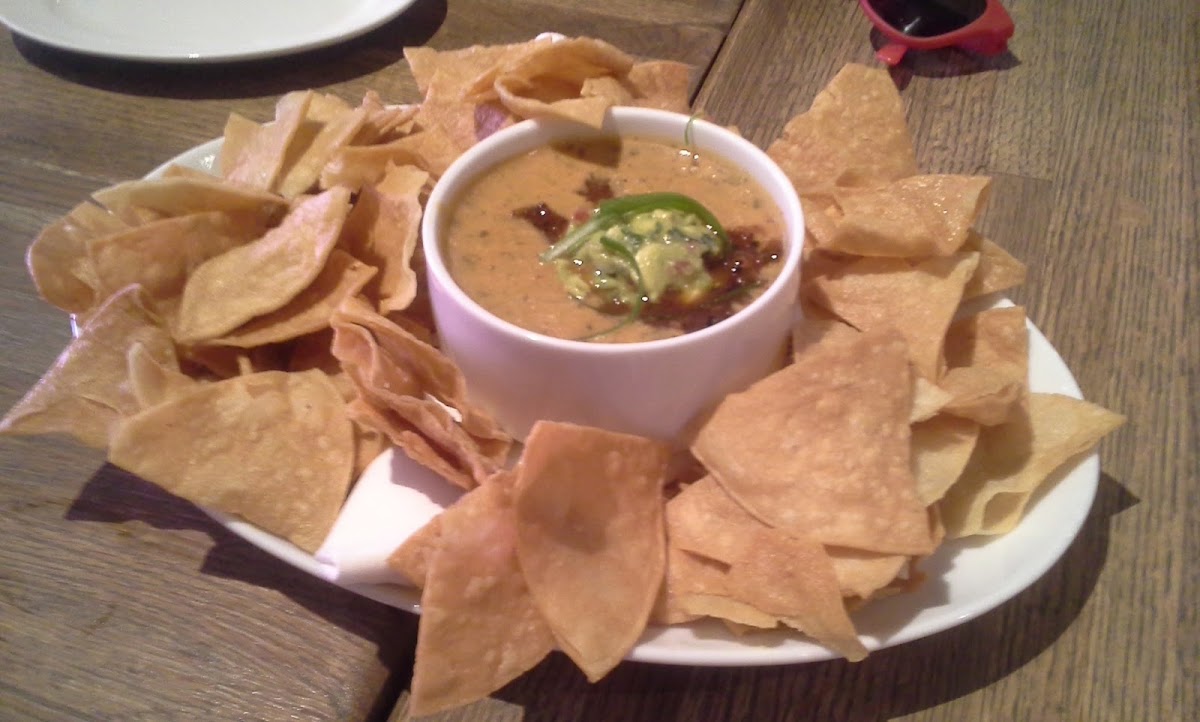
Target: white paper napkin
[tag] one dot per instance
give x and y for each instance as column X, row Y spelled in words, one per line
column 394, row 497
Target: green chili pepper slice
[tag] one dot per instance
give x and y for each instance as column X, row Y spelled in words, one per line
column 613, row 211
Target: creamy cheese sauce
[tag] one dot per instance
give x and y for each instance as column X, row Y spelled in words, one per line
column 493, row 255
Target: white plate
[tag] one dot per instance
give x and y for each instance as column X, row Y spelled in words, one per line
column 966, row 577
column 194, row 31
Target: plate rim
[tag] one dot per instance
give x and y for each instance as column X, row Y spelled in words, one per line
column 1081, row 477
column 30, row 24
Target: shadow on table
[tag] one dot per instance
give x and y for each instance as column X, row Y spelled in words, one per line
column 888, row 684
column 115, row 496
column 336, row 63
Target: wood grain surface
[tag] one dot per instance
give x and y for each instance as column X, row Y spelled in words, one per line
column 120, row 602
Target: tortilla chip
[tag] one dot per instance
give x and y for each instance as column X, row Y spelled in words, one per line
column 262, row 276
column 139, row 200
column 855, row 128
column 479, row 628
column 407, row 436
column 383, row 123
column 803, row 593
column 301, row 174
column 411, row 559
column 811, row 330
column 726, row 608
column 997, row 270
column 160, row 255
column 342, row 277
column 58, row 260
column 87, row 392
column 1012, row 460
column 793, row 579
column 383, row 230
column 928, row 399
column 153, row 378
column 431, row 150
column 925, row 215
column 590, row 537
column 987, row 355
column 662, row 84
column 942, row 445
column 428, row 372
column 282, row 461
column 917, row 298
column 240, row 131
column 793, row 448
column 687, row 575
column 262, row 151
column 861, row 574
column 455, row 69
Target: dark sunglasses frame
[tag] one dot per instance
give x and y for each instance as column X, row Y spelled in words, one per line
column 987, row 35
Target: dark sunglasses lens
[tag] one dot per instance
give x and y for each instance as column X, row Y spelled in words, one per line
column 929, row 18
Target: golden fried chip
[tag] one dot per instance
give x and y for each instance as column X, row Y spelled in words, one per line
column 821, row 448
column 264, row 150
column 802, row 593
column 793, row 579
column 662, row 84
column 411, row 559
column 918, row 299
column 544, row 77
column 404, row 434
column 427, row 372
column 383, row 122
column 590, row 537
column 997, row 269
column 928, row 399
column 368, row 443
column 272, row 448
column 688, row 575
column 942, row 445
column 342, row 277
column 861, row 574
column 161, row 254
column 987, row 356
column 855, row 128
column 455, row 69
column 403, row 408
column 154, row 379
column 240, row 131
column 813, row 329
column 431, row 150
column 58, row 260
column 925, row 215
column 1012, row 460
column 383, row 229
column 262, row 276
column 300, row 174
column 728, row 609
column 479, row 626
column 140, row 200
column 86, row 392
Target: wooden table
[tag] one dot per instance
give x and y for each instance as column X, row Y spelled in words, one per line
column 120, row 602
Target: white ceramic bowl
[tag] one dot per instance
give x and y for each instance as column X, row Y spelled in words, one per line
column 654, row 388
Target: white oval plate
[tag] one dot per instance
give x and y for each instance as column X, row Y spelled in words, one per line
column 966, row 577
column 194, row 31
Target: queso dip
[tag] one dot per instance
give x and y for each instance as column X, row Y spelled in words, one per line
column 702, row 241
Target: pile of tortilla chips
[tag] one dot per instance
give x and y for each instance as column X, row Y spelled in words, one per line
column 250, row 341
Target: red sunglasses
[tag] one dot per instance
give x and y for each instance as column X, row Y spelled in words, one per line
column 981, row 26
